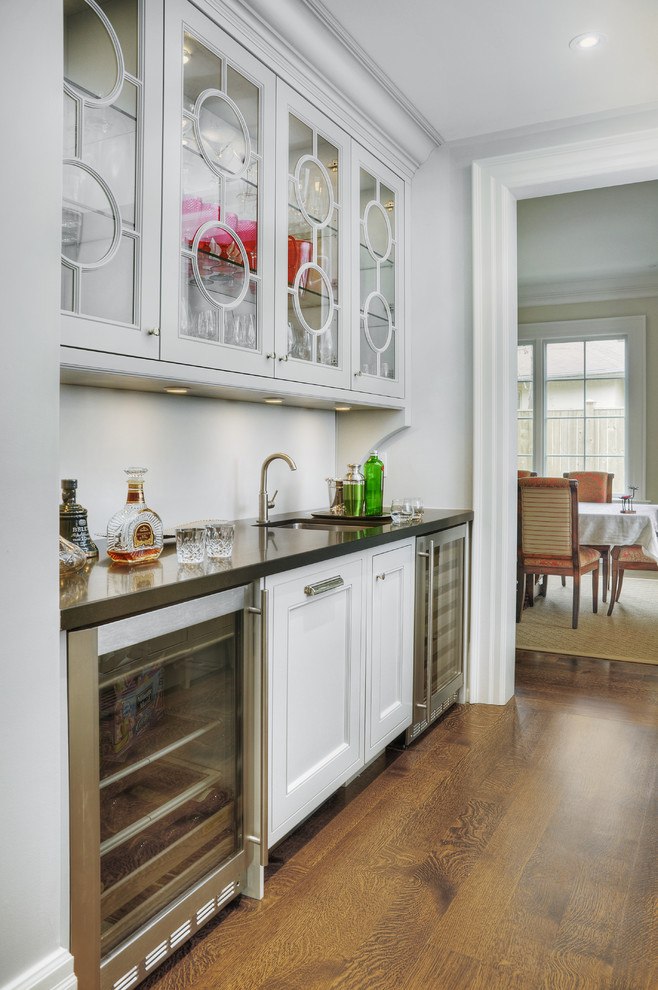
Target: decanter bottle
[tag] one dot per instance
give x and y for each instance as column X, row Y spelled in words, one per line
column 353, row 487
column 134, row 534
column 73, row 519
column 373, row 471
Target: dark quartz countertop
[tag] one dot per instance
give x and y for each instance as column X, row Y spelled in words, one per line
column 104, row 591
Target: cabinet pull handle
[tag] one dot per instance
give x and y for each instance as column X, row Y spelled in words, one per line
column 322, row 586
column 430, row 632
column 263, row 837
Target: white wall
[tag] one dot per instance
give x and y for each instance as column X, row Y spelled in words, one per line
column 203, row 455
column 433, row 457
column 33, row 897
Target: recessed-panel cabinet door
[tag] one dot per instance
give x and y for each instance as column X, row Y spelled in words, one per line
column 389, row 670
column 110, row 285
column 378, row 301
column 312, row 310
column 315, row 687
column 217, row 250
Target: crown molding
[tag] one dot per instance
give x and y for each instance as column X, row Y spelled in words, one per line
column 598, row 288
column 351, row 45
column 297, row 40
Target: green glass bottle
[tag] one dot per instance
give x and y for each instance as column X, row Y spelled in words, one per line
column 373, row 470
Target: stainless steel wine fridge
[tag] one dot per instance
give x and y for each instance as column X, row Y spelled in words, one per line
column 167, row 799
column 440, row 625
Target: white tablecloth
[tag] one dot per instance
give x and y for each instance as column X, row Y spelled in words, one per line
column 604, row 522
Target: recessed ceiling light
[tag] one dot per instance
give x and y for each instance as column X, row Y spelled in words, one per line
column 177, row 391
column 585, row 42
column 274, row 402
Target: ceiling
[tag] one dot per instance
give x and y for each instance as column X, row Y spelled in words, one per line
column 472, row 67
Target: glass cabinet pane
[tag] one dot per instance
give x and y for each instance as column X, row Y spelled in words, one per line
column 314, row 221
column 378, row 350
column 101, row 223
column 220, row 204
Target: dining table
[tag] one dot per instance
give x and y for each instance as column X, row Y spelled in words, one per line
column 601, row 523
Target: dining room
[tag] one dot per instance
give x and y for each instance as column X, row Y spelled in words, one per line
column 586, row 394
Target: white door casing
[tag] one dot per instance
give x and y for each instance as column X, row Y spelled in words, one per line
column 497, row 184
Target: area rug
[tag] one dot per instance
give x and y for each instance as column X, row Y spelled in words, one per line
column 630, row 633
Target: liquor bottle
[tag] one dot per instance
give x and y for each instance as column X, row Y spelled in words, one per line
column 353, row 489
column 73, row 520
column 134, row 534
column 373, row 470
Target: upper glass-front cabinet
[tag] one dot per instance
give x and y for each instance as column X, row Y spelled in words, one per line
column 378, row 207
column 312, row 257
column 110, row 269
column 217, row 260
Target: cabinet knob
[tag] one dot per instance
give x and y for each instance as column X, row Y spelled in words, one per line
column 272, row 355
column 284, row 358
column 154, row 331
column 380, row 577
column 357, row 374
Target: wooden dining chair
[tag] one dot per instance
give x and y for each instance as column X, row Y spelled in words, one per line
column 526, row 474
column 547, row 539
column 627, row 558
column 595, row 486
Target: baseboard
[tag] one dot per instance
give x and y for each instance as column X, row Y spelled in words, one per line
column 55, row 972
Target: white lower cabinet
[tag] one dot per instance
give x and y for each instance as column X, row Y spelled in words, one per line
column 340, row 655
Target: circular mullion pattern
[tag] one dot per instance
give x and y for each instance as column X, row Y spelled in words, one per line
column 366, row 327
column 88, row 266
column 213, row 225
column 374, row 204
column 102, row 101
column 308, row 266
column 213, row 166
column 314, row 222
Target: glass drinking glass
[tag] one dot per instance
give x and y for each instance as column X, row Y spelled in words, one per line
column 401, row 510
column 417, row 507
column 219, row 539
column 191, row 545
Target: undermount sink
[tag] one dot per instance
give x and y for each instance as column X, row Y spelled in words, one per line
column 326, row 524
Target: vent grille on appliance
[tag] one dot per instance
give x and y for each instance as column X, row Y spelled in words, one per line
column 157, row 955
column 127, row 980
column 167, row 945
column 205, row 912
column 181, row 934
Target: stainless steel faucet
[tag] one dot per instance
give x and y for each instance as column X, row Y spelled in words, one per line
column 265, row 503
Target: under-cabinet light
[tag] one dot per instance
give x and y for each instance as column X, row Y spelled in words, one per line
column 585, row 42
column 177, row 391
column 274, row 402
column 342, row 408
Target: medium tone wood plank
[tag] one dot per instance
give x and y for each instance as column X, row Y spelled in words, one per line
column 508, row 848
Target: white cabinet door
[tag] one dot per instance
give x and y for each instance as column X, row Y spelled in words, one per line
column 389, row 655
column 312, row 274
column 315, row 687
column 377, row 318
column 110, row 286
column 218, row 183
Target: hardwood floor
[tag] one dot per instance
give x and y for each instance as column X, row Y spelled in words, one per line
column 509, row 848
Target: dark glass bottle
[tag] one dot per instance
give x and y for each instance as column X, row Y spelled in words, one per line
column 73, row 520
column 373, row 470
